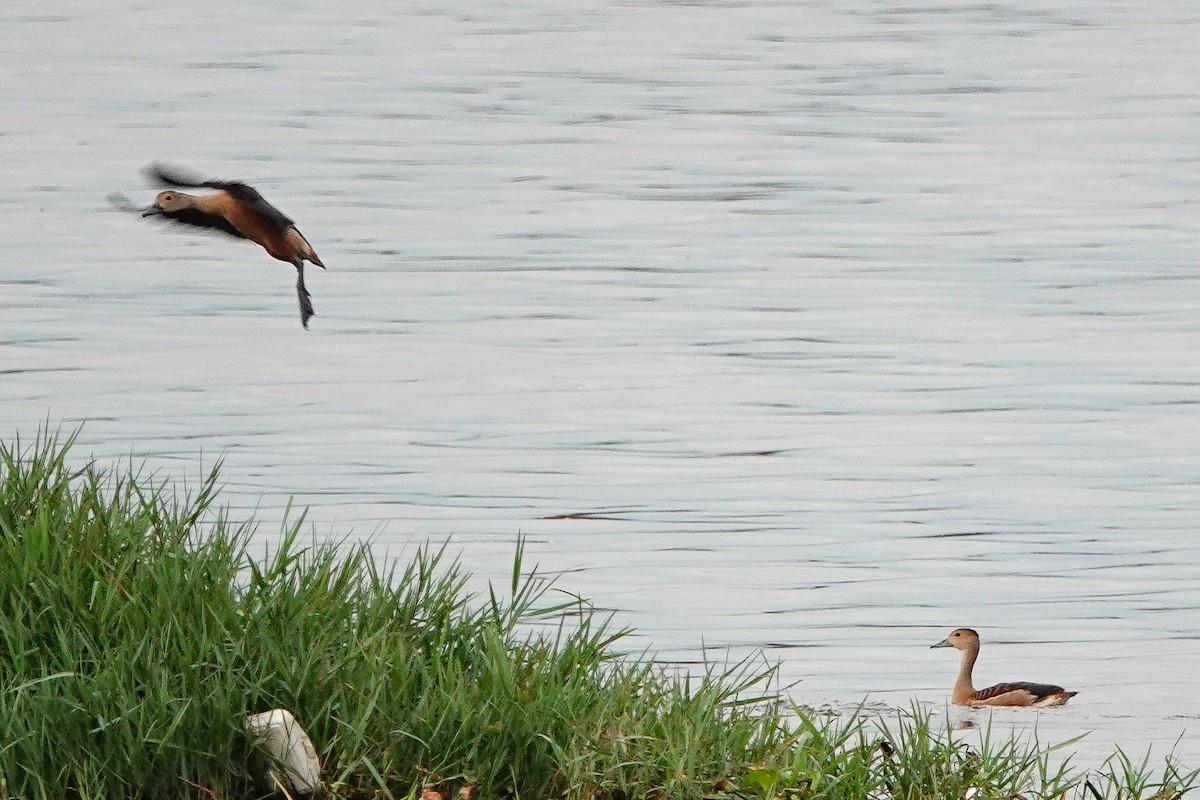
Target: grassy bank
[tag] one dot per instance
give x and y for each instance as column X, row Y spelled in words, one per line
column 136, row 633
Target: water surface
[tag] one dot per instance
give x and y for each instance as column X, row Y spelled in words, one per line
column 824, row 327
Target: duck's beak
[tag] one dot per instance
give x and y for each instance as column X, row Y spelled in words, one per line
column 152, row 211
column 943, row 643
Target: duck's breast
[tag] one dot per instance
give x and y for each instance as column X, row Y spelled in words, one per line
column 256, row 227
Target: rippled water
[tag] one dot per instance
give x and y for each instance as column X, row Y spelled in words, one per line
column 819, row 326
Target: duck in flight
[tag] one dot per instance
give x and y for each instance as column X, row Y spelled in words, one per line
column 1002, row 694
column 236, row 209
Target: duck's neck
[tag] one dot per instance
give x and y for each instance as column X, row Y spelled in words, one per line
column 963, row 686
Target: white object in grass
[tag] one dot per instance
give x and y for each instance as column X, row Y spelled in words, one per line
column 296, row 766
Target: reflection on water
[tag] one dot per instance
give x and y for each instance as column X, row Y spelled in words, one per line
column 822, row 327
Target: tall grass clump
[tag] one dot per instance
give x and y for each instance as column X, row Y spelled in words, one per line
column 1120, row 777
column 906, row 757
column 117, row 622
column 137, row 633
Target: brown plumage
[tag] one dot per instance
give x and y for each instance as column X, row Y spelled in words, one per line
column 238, row 210
column 1018, row 693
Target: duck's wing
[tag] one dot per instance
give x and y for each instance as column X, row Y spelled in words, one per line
column 168, row 175
column 123, row 203
column 1019, row 693
column 201, row 219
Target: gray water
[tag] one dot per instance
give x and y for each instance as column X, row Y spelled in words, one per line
column 817, row 327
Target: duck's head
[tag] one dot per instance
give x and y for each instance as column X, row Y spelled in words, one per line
column 960, row 639
column 168, row 203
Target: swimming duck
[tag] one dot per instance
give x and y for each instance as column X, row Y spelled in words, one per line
column 235, row 209
column 1002, row 694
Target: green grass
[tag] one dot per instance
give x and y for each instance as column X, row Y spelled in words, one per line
column 136, row 633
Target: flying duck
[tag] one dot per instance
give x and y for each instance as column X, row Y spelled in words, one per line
column 236, row 209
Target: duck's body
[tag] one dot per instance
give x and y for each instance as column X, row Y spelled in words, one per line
column 1018, row 693
column 238, row 210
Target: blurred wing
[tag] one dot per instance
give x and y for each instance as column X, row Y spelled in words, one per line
column 122, row 203
column 167, row 176
column 197, row 218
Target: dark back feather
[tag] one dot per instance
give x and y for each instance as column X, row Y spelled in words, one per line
column 1038, row 690
column 249, row 197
